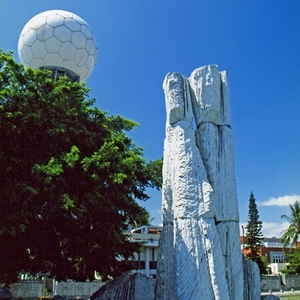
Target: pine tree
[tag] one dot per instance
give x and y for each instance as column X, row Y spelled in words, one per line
column 254, row 236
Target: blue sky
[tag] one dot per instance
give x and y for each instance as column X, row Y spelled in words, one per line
column 256, row 42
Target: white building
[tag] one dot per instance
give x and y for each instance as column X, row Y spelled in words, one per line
column 145, row 262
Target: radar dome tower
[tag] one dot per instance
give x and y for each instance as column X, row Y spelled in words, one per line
column 60, row 41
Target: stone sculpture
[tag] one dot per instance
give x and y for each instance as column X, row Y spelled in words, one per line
column 252, row 284
column 199, row 251
column 127, row 287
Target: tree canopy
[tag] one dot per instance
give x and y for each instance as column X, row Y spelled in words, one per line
column 69, row 178
column 254, row 236
column 291, row 234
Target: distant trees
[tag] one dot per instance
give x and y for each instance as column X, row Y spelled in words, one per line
column 69, row 179
column 290, row 237
column 294, row 262
column 291, row 234
column 254, row 236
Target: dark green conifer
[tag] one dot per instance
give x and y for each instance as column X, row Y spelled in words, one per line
column 254, row 236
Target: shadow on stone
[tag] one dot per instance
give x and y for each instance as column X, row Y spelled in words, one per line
column 269, row 297
column 135, row 286
column 59, row 297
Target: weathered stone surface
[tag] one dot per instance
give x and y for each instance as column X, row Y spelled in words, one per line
column 210, row 91
column 199, row 251
column 127, row 287
column 270, row 297
column 251, row 280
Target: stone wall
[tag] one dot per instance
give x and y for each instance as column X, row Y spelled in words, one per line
column 290, row 282
column 77, row 289
column 283, row 282
column 272, row 282
column 28, row 288
column 70, row 289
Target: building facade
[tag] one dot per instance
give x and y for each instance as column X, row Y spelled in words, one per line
column 145, row 262
column 272, row 249
column 274, row 252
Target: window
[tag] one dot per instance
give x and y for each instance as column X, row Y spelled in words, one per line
column 137, row 265
column 153, row 265
column 277, row 257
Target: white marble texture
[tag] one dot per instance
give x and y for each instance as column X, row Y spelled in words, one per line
column 199, row 252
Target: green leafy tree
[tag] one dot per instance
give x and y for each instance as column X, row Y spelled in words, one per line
column 69, row 179
column 254, row 236
column 291, row 234
column 294, row 262
column 266, row 265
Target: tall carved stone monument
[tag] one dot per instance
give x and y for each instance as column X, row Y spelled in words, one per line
column 200, row 253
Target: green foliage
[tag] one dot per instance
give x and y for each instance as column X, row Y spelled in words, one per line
column 266, row 265
column 254, row 236
column 69, row 179
column 291, row 234
column 294, row 262
column 46, row 293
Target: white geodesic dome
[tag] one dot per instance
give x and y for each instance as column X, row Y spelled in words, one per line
column 58, row 39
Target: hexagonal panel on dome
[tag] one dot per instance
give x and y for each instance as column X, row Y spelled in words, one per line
column 82, row 72
column 39, row 49
column 44, row 32
column 72, row 24
column 91, row 46
column 62, row 33
column 90, row 62
column 36, row 63
column 59, row 41
column 27, row 55
column 79, row 20
column 26, row 28
column 53, row 44
column 86, row 31
column 39, row 22
column 83, row 59
column 55, row 20
column 67, row 50
column 78, row 39
column 78, row 55
column 52, row 59
column 30, row 37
